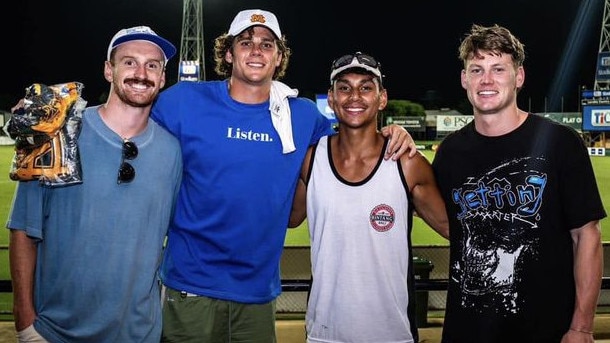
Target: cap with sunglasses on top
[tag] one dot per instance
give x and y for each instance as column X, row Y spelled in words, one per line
column 248, row 18
column 356, row 60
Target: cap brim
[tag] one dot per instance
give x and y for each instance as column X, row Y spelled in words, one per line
column 353, row 65
column 169, row 50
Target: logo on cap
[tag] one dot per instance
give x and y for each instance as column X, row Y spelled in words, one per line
column 248, row 18
column 257, row 18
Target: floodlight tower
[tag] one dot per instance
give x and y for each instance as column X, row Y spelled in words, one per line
column 604, row 45
column 192, row 63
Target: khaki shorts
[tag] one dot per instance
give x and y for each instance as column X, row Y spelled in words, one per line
column 191, row 318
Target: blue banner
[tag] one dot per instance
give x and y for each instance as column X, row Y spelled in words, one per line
column 596, row 118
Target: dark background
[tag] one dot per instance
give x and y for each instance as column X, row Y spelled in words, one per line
column 416, row 41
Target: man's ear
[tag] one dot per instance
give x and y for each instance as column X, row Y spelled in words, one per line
column 108, row 72
column 229, row 56
column 330, row 99
column 463, row 79
column 520, row 77
column 383, row 99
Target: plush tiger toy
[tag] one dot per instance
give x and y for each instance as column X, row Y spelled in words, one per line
column 45, row 131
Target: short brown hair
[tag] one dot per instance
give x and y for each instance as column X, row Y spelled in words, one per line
column 495, row 39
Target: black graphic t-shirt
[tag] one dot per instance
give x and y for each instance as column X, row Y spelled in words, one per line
column 511, row 202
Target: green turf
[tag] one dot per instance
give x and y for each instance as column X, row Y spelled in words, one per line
column 423, row 235
column 7, row 187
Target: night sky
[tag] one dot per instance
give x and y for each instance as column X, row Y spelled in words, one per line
column 415, row 41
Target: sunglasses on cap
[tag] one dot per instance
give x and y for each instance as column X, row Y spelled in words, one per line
column 126, row 171
column 360, row 57
column 356, row 60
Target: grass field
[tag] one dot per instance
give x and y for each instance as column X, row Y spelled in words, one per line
column 423, row 235
column 7, row 187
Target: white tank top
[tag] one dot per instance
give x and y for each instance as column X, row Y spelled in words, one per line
column 360, row 254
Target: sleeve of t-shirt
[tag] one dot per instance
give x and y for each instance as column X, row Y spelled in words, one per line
column 323, row 127
column 27, row 209
column 166, row 108
column 579, row 193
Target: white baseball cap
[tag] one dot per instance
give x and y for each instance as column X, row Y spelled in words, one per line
column 142, row 33
column 248, row 18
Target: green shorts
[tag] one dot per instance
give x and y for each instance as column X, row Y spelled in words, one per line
column 191, row 318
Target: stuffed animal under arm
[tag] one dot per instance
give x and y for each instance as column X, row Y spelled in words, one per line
column 45, row 131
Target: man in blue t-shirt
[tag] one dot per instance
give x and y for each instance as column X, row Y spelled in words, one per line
column 243, row 140
column 84, row 257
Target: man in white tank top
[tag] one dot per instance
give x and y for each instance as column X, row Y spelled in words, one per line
column 360, row 210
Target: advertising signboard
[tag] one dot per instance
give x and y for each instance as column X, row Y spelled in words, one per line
column 596, row 118
column 412, row 124
column 603, row 66
column 322, row 102
column 449, row 123
column 571, row 119
column 189, row 71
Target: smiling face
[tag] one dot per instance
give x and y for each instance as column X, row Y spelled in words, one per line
column 491, row 81
column 254, row 56
column 136, row 71
column 357, row 98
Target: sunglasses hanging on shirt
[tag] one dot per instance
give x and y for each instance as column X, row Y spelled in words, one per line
column 126, row 171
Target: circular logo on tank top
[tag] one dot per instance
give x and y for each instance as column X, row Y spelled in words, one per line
column 382, row 218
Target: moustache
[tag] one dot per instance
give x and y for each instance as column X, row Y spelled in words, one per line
column 146, row 82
